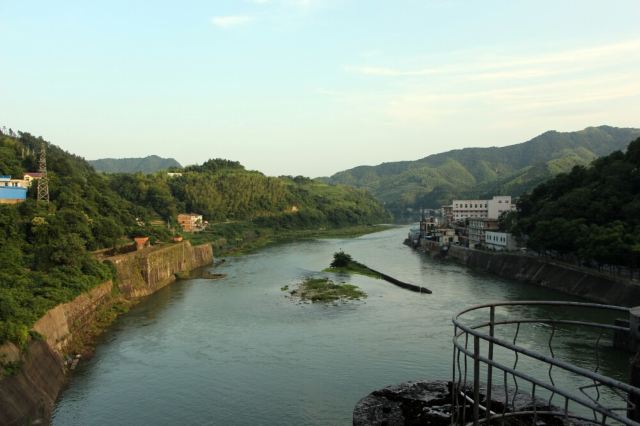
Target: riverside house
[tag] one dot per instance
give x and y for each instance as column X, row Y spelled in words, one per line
column 191, row 222
column 445, row 236
column 477, row 230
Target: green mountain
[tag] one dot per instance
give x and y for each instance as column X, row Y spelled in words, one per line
column 149, row 164
column 45, row 255
column 475, row 172
column 590, row 215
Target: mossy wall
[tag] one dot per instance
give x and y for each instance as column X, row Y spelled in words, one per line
column 59, row 324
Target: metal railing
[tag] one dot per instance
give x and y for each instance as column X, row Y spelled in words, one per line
column 508, row 382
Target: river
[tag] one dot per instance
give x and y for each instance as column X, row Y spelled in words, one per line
column 238, row 351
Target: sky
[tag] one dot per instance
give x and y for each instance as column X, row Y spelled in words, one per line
column 312, row 87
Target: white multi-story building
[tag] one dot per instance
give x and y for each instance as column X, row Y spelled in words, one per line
column 483, row 209
column 500, row 241
column 498, row 205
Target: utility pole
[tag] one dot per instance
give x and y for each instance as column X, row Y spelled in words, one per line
column 43, row 182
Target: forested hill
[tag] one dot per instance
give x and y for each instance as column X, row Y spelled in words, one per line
column 45, row 248
column 149, row 164
column 470, row 172
column 591, row 214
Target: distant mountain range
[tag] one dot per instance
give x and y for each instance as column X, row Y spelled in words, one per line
column 149, row 164
column 477, row 172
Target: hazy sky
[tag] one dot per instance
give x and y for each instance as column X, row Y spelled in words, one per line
column 313, row 86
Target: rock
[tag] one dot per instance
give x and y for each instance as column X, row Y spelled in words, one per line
column 410, row 403
column 430, row 403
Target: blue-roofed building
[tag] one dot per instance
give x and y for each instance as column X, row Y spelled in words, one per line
column 11, row 192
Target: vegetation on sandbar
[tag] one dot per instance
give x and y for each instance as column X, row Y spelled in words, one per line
column 325, row 290
column 344, row 263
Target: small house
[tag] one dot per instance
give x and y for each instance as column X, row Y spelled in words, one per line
column 445, row 236
column 29, row 177
column 142, row 242
column 191, row 222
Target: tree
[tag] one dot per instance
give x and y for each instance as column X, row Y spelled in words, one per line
column 341, row 259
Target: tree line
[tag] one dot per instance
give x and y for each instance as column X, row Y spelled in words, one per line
column 590, row 215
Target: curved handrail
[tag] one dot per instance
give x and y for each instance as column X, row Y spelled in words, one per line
column 484, row 330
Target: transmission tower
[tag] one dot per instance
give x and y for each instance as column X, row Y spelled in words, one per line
column 43, row 182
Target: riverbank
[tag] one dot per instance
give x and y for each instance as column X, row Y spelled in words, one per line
column 32, row 376
column 28, row 391
column 539, row 271
column 238, row 238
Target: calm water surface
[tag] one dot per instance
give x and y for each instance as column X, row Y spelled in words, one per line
column 237, row 351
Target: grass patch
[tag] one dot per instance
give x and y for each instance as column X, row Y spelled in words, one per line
column 354, row 268
column 324, row 290
column 10, row 368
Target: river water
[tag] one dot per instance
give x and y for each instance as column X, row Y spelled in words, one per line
column 238, row 351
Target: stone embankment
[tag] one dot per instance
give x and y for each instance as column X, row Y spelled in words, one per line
column 144, row 272
column 591, row 285
column 28, row 396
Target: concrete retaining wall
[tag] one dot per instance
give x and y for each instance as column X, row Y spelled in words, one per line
column 565, row 278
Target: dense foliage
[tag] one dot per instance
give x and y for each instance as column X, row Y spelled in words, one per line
column 44, row 258
column 590, row 214
column 222, row 190
column 149, row 164
column 479, row 172
column 45, row 249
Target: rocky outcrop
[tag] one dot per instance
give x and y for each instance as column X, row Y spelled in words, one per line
column 410, row 403
column 28, row 395
column 562, row 277
column 431, row 403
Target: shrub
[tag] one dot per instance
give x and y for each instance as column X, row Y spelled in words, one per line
column 341, row 259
